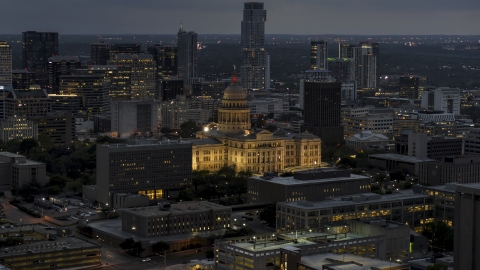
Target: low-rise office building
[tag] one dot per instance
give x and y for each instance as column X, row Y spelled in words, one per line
column 390, row 162
column 460, row 169
column 58, row 126
column 366, row 139
column 180, row 218
column 316, row 185
column 148, row 167
column 64, row 253
column 420, row 145
column 17, row 170
column 128, row 200
column 405, row 207
column 375, row 239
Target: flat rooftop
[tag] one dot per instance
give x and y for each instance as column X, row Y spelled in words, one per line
column 146, row 144
column 290, row 180
column 318, row 260
column 349, row 200
column 399, row 157
column 47, row 246
column 8, row 154
column 176, row 209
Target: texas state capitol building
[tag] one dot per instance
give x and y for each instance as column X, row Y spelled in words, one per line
column 233, row 143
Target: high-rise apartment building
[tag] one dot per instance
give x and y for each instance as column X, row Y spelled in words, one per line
column 253, row 46
column 99, row 52
column 322, row 104
column 146, row 167
column 92, row 92
column 365, row 56
column 411, row 87
column 5, row 64
column 143, row 74
column 37, row 47
column 60, row 65
column 318, row 55
column 342, row 69
column 444, row 99
column 187, row 55
column 174, row 112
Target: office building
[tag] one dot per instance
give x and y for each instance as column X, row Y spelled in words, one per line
column 60, row 253
column 37, row 47
column 343, row 259
column 210, row 89
column 460, row 169
column 249, row 150
column 138, row 117
column 367, row 140
column 378, row 121
column 123, row 48
column 17, row 170
column 412, row 87
column 443, row 99
column 204, row 103
column 187, row 67
column 253, row 51
column 319, row 55
column 116, row 78
column 60, row 65
column 312, row 185
column 266, row 106
column 401, row 125
column 467, row 227
column 59, row 127
column 17, row 128
column 90, row 89
column 407, row 207
column 4, row 91
column 99, row 52
column 322, row 102
column 27, row 103
column 143, row 74
column 170, row 88
column 472, row 142
column 5, row 64
column 422, row 146
column 390, row 162
column 66, row 103
column 166, row 58
column 174, row 113
column 155, row 169
column 349, row 92
column 22, row 79
column 371, row 238
column 179, row 218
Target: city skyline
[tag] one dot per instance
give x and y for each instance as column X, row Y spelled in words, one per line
column 221, row 17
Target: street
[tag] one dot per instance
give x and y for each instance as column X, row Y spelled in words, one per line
column 16, row 216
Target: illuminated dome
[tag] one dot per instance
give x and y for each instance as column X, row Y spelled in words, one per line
column 234, row 91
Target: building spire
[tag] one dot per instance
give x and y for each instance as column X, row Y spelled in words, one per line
column 181, row 27
column 234, row 75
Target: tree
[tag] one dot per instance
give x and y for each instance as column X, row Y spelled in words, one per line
column 127, row 244
column 439, row 235
column 437, row 266
column 160, row 246
column 74, row 186
column 165, row 130
column 199, row 178
column 347, row 162
column 188, row 129
column 28, row 144
column 269, row 214
column 271, row 128
column 209, row 253
column 54, row 190
column 397, row 175
column 185, row 195
column 58, row 180
column 28, row 190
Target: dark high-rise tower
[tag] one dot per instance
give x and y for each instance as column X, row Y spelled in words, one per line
column 322, row 105
column 253, row 46
column 318, row 55
column 60, row 65
column 99, row 52
column 37, row 47
column 187, row 55
column 166, row 58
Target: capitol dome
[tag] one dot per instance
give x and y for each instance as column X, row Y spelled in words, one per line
column 234, row 91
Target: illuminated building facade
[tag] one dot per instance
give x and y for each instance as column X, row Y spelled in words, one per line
column 60, row 65
column 412, row 87
column 254, row 56
column 146, row 167
column 142, row 76
column 5, row 64
column 27, row 103
column 22, row 79
column 99, row 52
column 233, row 143
column 17, row 128
column 92, row 92
column 318, row 55
column 58, row 126
column 116, row 78
column 180, row 218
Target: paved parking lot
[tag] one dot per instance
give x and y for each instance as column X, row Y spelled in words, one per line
column 254, row 224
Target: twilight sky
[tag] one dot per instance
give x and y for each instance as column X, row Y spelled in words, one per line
column 369, row 17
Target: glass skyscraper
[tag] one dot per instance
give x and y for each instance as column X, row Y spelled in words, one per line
column 253, row 46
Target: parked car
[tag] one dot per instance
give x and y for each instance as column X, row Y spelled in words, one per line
column 146, row 260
